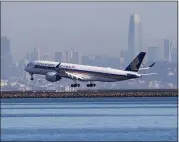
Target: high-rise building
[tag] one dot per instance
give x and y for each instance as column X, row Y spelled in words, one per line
column 35, row 54
column 6, row 58
column 127, row 58
column 22, row 64
column 153, row 53
column 135, row 36
column 168, row 46
column 67, row 57
column 58, row 56
column 28, row 56
column 71, row 57
column 75, row 57
column 122, row 61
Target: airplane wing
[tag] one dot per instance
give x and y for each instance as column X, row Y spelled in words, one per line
column 147, row 67
column 74, row 76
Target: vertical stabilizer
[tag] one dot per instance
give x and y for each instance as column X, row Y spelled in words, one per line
column 136, row 63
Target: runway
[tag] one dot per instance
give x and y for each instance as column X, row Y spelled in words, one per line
column 54, row 119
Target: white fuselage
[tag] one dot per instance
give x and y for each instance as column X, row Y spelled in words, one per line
column 88, row 73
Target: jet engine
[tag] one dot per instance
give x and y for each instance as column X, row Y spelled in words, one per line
column 52, row 77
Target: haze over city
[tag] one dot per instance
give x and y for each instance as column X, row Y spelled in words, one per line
column 103, row 34
column 87, row 27
column 89, row 71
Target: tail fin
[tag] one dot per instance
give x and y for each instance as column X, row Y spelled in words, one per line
column 135, row 64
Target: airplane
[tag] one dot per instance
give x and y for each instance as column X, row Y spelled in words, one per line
column 55, row 71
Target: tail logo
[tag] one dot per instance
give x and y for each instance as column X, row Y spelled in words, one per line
column 134, row 64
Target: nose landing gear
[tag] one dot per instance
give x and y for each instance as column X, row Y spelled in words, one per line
column 31, row 77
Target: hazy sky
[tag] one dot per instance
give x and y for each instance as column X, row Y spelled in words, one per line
column 88, row 27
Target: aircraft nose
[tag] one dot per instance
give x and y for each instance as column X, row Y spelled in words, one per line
column 26, row 69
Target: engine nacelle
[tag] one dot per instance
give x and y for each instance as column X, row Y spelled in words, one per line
column 52, row 77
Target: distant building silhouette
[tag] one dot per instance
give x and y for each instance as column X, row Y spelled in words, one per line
column 168, row 46
column 6, row 58
column 58, row 56
column 122, row 61
column 22, row 64
column 71, row 56
column 135, row 36
column 66, row 57
column 35, row 55
column 28, row 56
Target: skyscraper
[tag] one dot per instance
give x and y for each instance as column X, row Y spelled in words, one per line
column 135, row 36
column 71, row 56
column 6, row 58
column 122, row 61
column 35, row 54
column 168, row 46
column 28, row 57
column 75, row 57
column 67, row 57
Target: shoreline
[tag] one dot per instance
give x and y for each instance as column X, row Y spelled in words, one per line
column 91, row 93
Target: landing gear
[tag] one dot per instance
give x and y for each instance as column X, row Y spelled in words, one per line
column 91, row 85
column 31, row 77
column 75, row 85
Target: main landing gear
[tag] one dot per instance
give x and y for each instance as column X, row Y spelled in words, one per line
column 91, row 85
column 75, row 85
column 31, row 77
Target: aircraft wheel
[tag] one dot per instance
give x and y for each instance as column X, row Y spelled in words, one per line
column 31, row 78
column 94, row 85
column 78, row 85
column 72, row 85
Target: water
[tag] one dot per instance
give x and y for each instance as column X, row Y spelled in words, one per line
column 134, row 119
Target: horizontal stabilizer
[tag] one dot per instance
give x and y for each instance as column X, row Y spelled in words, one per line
column 152, row 64
column 148, row 67
column 149, row 74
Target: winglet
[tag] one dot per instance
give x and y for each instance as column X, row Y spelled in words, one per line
column 152, row 64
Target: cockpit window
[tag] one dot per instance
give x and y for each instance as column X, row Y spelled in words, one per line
column 28, row 64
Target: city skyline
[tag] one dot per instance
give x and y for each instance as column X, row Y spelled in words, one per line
column 135, row 36
column 95, row 32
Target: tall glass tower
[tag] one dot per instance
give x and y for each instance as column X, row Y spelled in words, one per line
column 135, row 36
